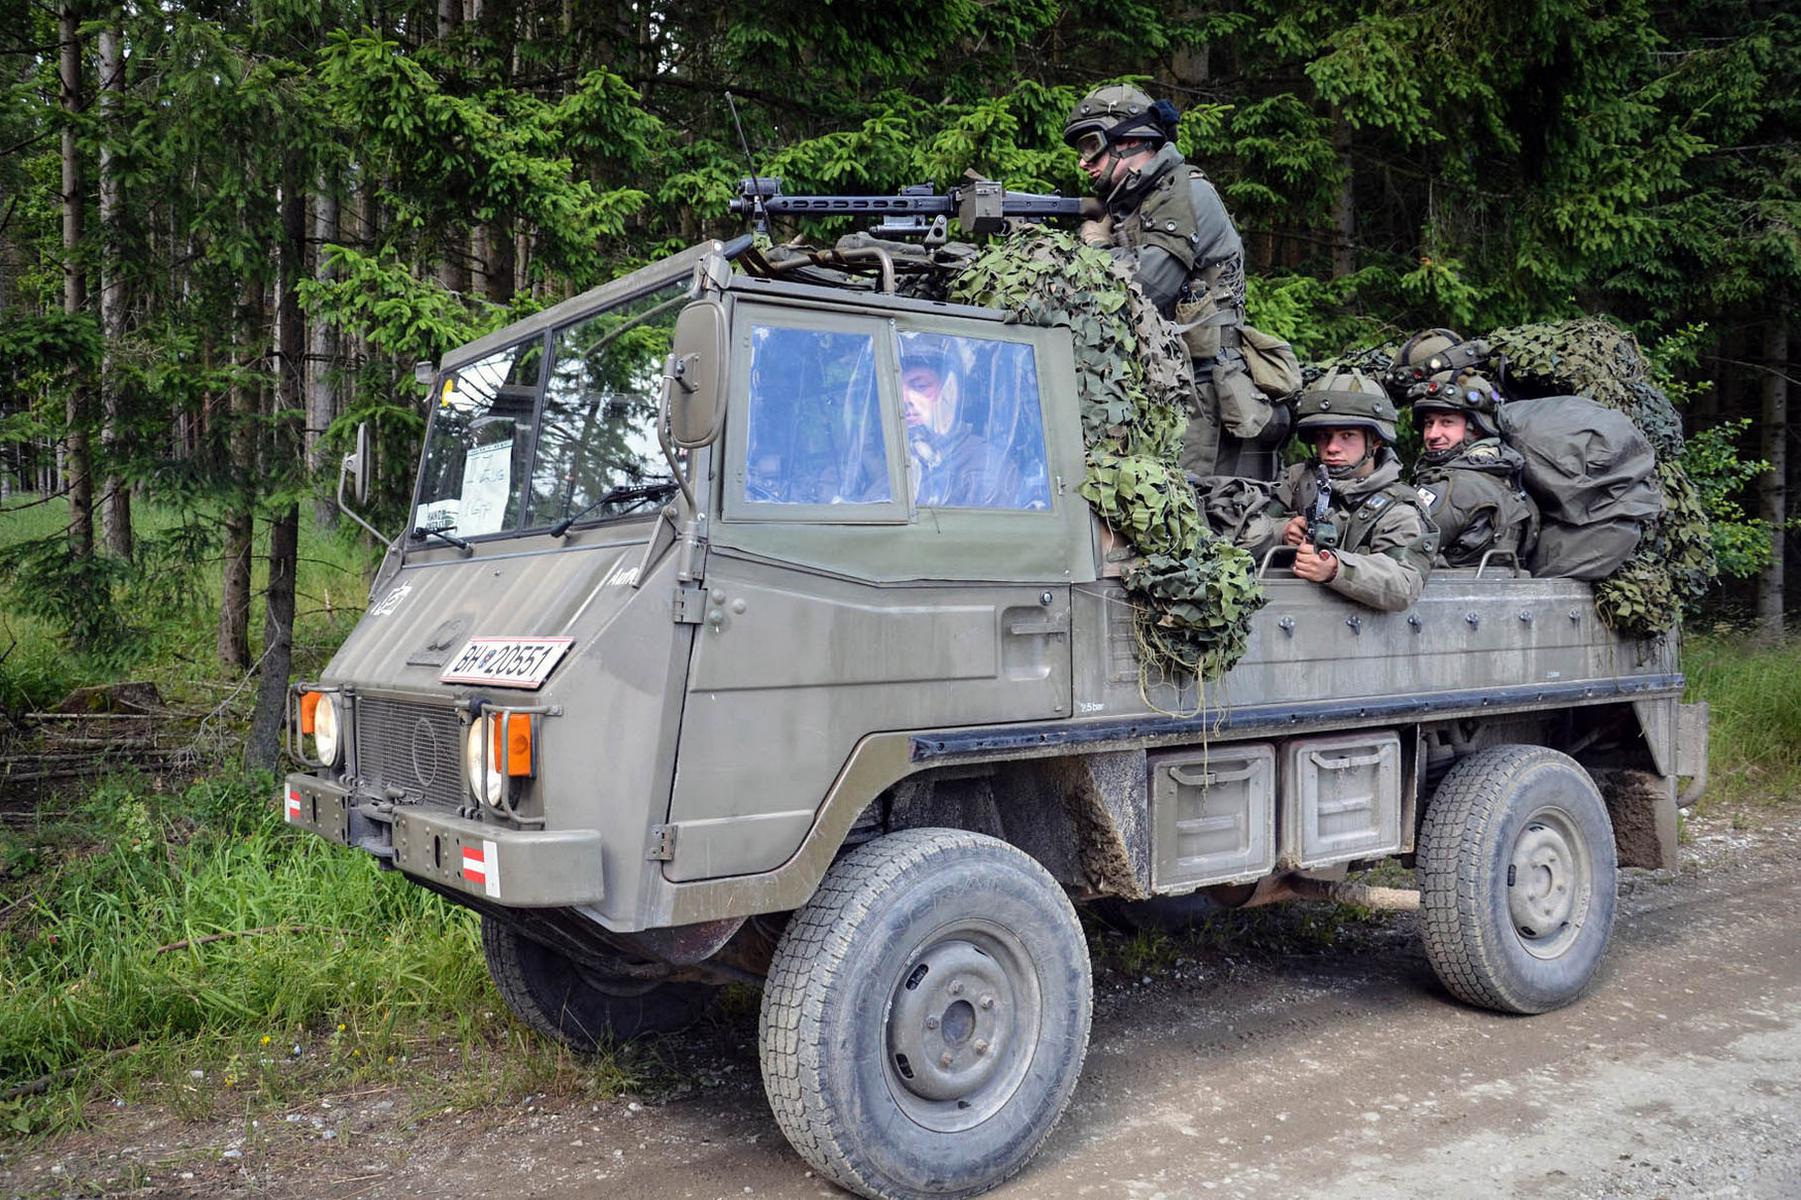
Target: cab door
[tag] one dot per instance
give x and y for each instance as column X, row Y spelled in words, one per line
column 838, row 604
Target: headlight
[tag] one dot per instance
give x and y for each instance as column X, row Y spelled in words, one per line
column 481, row 761
column 326, row 743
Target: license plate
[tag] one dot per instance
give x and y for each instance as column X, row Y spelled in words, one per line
column 519, row 662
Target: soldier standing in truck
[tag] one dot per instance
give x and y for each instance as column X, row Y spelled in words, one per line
column 1381, row 543
column 1165, row 214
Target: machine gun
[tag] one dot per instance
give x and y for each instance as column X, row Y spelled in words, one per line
column 1322, row 531
column 981, row 206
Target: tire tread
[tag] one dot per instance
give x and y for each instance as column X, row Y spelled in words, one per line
column 818, row 939
column 1453, row 893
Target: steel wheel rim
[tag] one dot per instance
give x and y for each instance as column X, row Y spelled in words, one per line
column 1550, row 883
column 962, row 1026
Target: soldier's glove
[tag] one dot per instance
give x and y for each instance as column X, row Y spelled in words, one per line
column 1097, row 233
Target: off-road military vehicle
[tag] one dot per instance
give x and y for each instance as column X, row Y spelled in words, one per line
column 687, row 673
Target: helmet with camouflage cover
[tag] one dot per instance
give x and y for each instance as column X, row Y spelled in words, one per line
column 1115, row 113
column 1470, row 394
column 1429, row 354
column 1346, row 400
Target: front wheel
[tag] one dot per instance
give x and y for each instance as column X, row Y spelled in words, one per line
column 1517, row 879
column 580, row 1005
column 926, row 1015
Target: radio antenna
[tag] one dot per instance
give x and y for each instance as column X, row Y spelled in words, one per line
column 762, row 218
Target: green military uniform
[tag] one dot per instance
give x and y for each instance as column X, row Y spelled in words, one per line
column 1472, row 490
column 1170, row 221
column 1386, row 542
column 1474, row 497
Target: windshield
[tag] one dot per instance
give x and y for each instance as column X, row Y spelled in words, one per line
column 513, row 446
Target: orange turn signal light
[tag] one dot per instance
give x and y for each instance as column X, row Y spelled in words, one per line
column 516, row 728
column 309, row 704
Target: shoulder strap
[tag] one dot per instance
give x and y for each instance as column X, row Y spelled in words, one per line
column 1364, row 517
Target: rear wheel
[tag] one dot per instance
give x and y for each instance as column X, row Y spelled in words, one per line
column 1517, row 879
column 926, row 1015
column 578, row 1004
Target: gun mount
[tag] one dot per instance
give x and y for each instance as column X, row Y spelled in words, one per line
column 982, row 207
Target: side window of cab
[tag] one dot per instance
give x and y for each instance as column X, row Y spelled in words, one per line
column 814, row 438
column 974, row 422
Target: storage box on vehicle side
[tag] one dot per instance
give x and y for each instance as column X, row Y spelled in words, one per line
column 1344, row 794
column 1212, row 815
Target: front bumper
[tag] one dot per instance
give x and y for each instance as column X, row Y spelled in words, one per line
column 522, row 868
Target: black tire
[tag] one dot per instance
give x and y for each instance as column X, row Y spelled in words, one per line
column 578, row 1005
column 1517, row 879
column 920, row 945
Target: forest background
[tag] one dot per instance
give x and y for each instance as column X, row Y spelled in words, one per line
column 229, row 228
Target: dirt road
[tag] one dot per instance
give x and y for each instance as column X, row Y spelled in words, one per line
column 1342, row 1071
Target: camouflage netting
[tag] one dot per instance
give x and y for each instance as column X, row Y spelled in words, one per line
column 1197, row 591
column 1589, row 357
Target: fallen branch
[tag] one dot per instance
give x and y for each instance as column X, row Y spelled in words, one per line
column 187, row 943
column 44, row 1083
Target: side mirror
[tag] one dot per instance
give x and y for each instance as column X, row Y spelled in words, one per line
column 356, row 466
column 696, row 384
column 424, row 372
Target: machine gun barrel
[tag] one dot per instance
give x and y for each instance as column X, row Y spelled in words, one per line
column 981, row 206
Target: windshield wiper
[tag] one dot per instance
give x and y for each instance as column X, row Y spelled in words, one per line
column 420, row 533
column 636, row 491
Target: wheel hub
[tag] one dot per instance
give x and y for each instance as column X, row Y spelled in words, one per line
column 1547, row 884
column 952, row 1024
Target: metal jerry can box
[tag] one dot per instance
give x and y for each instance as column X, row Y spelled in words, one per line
column 1213, row 809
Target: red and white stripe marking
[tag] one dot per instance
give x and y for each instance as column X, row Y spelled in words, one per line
column 293, row 805
column 481, row 865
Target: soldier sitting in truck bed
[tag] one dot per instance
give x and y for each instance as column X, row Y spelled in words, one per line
column 1468, row 479
column 1370, row 540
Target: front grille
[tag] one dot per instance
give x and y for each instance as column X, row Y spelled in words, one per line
column 412, row 746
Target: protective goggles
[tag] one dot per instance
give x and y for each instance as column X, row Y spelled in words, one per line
column 1091, row 145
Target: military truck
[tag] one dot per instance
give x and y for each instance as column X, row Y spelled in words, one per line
column 675, row 681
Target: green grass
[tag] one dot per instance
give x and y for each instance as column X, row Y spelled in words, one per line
column 333, row 972
column 354, row 974
column 1754, row 694
column 170, row 612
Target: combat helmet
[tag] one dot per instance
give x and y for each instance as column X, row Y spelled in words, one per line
column 1470, row 394
column 1433, row 353
column 1346, row 400
column 1115, row 113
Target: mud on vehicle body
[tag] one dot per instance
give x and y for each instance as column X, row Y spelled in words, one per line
column 674, row 683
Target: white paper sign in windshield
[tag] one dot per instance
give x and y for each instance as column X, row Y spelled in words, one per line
column 487, row 482
column 521, row 662
column 439, row 515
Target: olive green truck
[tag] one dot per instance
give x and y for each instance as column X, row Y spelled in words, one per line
column 676, row 682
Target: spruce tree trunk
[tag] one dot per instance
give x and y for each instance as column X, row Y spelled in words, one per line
column 321, row 363
column 115, row 495
column 263, row 749
column 76, row 467
column 234, row 598
column 503, row 270
column 1344, row 206
column 453, row 267
column 1772, row 493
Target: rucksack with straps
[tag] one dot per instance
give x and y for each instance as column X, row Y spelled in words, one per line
column 1594, row 476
